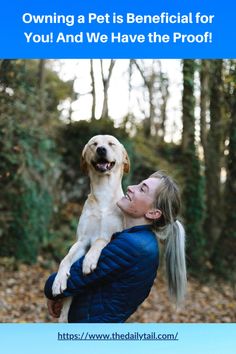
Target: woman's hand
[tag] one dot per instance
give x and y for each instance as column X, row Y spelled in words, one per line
column 55, row 307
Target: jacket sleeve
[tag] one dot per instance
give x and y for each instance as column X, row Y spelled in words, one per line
column 118, row 256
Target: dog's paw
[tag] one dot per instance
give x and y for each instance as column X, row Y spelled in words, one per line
column 60, row 283
column 89, row 265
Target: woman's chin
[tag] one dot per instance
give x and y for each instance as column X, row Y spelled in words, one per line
column 122, row 203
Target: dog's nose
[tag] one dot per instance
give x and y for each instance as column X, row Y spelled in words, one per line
column 101, row 151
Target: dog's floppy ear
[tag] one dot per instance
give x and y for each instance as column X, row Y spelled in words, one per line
column 83, row 163
column 126, row 161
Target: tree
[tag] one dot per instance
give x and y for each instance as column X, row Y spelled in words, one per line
column 155, row 84
column 188, row 104
column 164, row 90
column 150, row 77
column 106, row 83
column 213, row 156
column 204, row 103
column 192, row 192
column 93, row 91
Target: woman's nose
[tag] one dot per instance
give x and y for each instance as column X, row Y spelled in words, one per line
column 130, row 189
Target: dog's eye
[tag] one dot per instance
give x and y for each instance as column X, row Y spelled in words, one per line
column 95, row 144
column 111, row 144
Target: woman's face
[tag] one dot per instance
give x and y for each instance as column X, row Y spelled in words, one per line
column 139, row 199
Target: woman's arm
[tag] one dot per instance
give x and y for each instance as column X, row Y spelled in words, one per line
column 118, row 256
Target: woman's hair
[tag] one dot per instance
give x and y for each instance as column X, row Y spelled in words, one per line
column 168, row 228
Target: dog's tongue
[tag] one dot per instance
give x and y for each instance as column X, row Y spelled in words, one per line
column 103, row 166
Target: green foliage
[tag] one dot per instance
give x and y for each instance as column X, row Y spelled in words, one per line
column 21, row 97
column 152, row 155
column 27, row 163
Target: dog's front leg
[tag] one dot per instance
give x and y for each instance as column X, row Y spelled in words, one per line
column 92, row 256
column 60, row 282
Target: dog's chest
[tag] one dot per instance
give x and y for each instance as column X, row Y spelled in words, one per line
column 100, row 222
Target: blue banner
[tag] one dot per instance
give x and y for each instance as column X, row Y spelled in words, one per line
column 117, row 29
column 117, row 338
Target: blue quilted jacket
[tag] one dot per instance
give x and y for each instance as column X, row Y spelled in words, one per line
column 123, row 279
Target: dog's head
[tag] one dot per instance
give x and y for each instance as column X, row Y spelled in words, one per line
column 104, row 154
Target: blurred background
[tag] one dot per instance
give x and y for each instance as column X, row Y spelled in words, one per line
column 173, row 115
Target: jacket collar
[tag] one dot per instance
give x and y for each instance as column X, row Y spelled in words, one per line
column 138, row 228
column 133, row 229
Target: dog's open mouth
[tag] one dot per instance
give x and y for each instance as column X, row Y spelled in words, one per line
column 103, row 165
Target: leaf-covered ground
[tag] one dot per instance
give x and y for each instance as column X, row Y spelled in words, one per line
column 22, row 299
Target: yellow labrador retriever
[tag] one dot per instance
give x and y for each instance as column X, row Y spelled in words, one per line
column 105, row 160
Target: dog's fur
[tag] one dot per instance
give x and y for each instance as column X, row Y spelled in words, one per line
column 105, row 160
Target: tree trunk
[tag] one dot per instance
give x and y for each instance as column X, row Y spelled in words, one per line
column 193, row 191
column 93, row 91
column 204, row 102
column 149, row 80
column 164, row 90
column 213, row 156
column 106, row 83
column 188, row 103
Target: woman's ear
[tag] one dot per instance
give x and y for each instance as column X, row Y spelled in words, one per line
column 153, row 214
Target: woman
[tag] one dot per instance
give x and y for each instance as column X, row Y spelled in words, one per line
column 128, row 264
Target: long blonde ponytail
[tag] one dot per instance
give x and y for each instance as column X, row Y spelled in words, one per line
column 171, row 230
column 175, row 262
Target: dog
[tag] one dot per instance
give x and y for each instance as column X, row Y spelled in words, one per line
column 105, row 160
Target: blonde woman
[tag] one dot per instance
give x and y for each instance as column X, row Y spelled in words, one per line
column 128, row 264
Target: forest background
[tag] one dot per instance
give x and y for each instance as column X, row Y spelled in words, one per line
column 42, row 188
